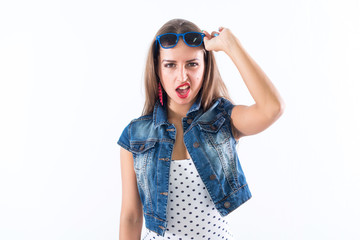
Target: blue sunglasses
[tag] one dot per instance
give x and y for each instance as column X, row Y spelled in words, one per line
column 169, row 40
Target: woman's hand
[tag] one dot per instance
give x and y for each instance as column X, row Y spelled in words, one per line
column 221, row 42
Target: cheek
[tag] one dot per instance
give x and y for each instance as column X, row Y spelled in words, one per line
column 166, row 79
column 166, row 72
column 200, row 75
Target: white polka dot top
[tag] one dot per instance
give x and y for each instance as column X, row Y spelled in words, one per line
column 191, row 213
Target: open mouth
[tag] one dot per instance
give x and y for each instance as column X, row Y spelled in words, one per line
column 183, row 90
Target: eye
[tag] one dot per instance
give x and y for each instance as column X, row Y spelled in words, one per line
column 193, row 64
column 169, row 65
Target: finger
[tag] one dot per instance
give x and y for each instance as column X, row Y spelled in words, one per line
column 207, row 41
column 221, row 28
column 207, row 35
column 213, row 33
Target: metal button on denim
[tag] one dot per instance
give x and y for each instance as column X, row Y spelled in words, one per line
column 196, row 144
column 212, row 177
column 213, row 127
column 227, row 204
column 189, row 121
column 142, row 147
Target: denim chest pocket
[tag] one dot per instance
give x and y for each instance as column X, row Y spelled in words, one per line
column 142, row 151
column 139, row 147
column 217, row 132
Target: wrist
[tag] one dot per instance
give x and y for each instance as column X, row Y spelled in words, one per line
column 231, row 45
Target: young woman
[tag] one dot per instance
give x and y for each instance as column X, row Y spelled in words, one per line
column 179, row 165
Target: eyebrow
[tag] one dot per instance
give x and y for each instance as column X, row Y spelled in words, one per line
column 165, row 60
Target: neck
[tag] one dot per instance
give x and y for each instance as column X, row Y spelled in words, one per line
column 178, row 111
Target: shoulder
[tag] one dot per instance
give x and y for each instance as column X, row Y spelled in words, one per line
column 222, row 104
column 144, row 118
column 142, row 121
column 135, row 127
column 221, row 111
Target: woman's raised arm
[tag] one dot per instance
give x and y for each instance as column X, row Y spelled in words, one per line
column 268, row 107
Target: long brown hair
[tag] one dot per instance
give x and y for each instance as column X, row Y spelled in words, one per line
column 213, row 86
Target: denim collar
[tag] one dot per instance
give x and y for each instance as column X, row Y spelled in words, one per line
column 160, row 112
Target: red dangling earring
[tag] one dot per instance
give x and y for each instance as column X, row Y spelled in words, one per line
column 160, row 94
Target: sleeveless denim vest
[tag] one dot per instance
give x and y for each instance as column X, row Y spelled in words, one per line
column 211, row 145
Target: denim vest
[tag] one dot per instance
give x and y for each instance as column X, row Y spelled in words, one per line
column 211, row 145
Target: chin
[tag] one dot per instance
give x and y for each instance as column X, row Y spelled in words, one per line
column 182, row 101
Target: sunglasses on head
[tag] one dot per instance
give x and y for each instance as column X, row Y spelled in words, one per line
column 169, row 40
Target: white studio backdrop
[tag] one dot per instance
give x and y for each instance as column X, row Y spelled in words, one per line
column 71, row 80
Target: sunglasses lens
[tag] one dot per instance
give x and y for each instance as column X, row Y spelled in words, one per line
column 193, row 39
column 168, row 40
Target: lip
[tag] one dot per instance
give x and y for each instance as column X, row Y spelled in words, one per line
column 185, row 84
column 188, row 91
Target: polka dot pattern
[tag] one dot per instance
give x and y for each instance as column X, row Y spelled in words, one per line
column 191, row 213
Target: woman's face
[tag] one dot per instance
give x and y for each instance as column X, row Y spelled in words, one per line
column 181, row 71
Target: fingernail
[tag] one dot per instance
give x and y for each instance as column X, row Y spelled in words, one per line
column 216, row 34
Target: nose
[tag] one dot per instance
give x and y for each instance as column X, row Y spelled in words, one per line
column 183, row 74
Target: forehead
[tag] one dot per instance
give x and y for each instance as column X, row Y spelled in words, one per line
column 181, row 52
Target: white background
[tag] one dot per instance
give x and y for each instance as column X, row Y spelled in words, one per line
column 71, row 80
